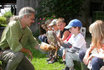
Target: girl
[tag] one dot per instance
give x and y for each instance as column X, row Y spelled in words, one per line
column 95, row 54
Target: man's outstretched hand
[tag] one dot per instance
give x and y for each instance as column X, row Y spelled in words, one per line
column 37, row 47
column 28, row 52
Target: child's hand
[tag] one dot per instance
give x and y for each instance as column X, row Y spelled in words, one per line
column 85, row 60
column 91, row 56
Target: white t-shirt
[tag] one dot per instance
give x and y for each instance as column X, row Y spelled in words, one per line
column 78, row 41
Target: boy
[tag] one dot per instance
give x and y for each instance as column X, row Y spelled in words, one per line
column 62, row 35
column 43, row 37
column 52, row 40
column 77, row 42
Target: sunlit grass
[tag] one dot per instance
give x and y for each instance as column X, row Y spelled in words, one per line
column 40, row 63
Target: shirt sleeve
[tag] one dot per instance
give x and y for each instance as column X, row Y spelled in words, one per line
column 32, row 40
column 13, row 38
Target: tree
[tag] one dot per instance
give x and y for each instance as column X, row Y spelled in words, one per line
column 68, row 9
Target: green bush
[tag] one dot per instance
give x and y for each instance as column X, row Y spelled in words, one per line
column 98, row 15
column 8, row 14
column 2, row 21
column 5, row 18
column 67, row 9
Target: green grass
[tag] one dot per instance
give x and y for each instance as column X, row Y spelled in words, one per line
column 40, row 63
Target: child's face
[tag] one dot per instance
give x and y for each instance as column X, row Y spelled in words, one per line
column 74, row 30
column 61, row 26
column 55, row 28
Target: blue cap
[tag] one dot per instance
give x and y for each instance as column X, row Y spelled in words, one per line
column 74, row 23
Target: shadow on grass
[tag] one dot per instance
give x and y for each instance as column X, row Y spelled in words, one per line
column 39, row 53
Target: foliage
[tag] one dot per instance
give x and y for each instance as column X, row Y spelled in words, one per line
column 42, row 20
column 2, row 21
column 5, row 18
column 98, row 15
column 8, row 14
column 64, row 8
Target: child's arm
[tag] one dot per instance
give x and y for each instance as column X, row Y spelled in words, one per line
column 65, row 35
column 99, row 55
column 86, row 60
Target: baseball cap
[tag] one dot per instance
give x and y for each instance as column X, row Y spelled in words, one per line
column 74, row 23
column 53, row 22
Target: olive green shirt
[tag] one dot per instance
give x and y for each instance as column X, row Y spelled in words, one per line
column 16, row 38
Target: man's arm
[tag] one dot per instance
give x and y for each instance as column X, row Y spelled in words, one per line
column 32, row 40
column 24, row 50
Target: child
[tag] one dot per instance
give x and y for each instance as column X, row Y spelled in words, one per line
column 95, row 54
column 63, row 34
column 77, row 42
column 43, row 37
column 54, row 26
column 52, row 40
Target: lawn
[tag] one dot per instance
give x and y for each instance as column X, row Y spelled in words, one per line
column 40, row 63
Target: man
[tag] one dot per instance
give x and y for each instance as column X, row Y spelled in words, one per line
column 17, row 39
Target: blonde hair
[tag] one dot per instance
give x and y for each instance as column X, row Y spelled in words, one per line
column 97, row 31
column 60, row 20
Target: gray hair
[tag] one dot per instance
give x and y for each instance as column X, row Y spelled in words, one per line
column 26, row 11
column 22, row 12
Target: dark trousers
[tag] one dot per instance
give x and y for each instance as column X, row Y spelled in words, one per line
column 96, row 62
column 11, row 59
column 25, row 65
column 15, row 61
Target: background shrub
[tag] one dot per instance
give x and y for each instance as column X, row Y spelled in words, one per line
column 67, row 9
column 2, row 21
column 7, row 15
column 5, row 18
